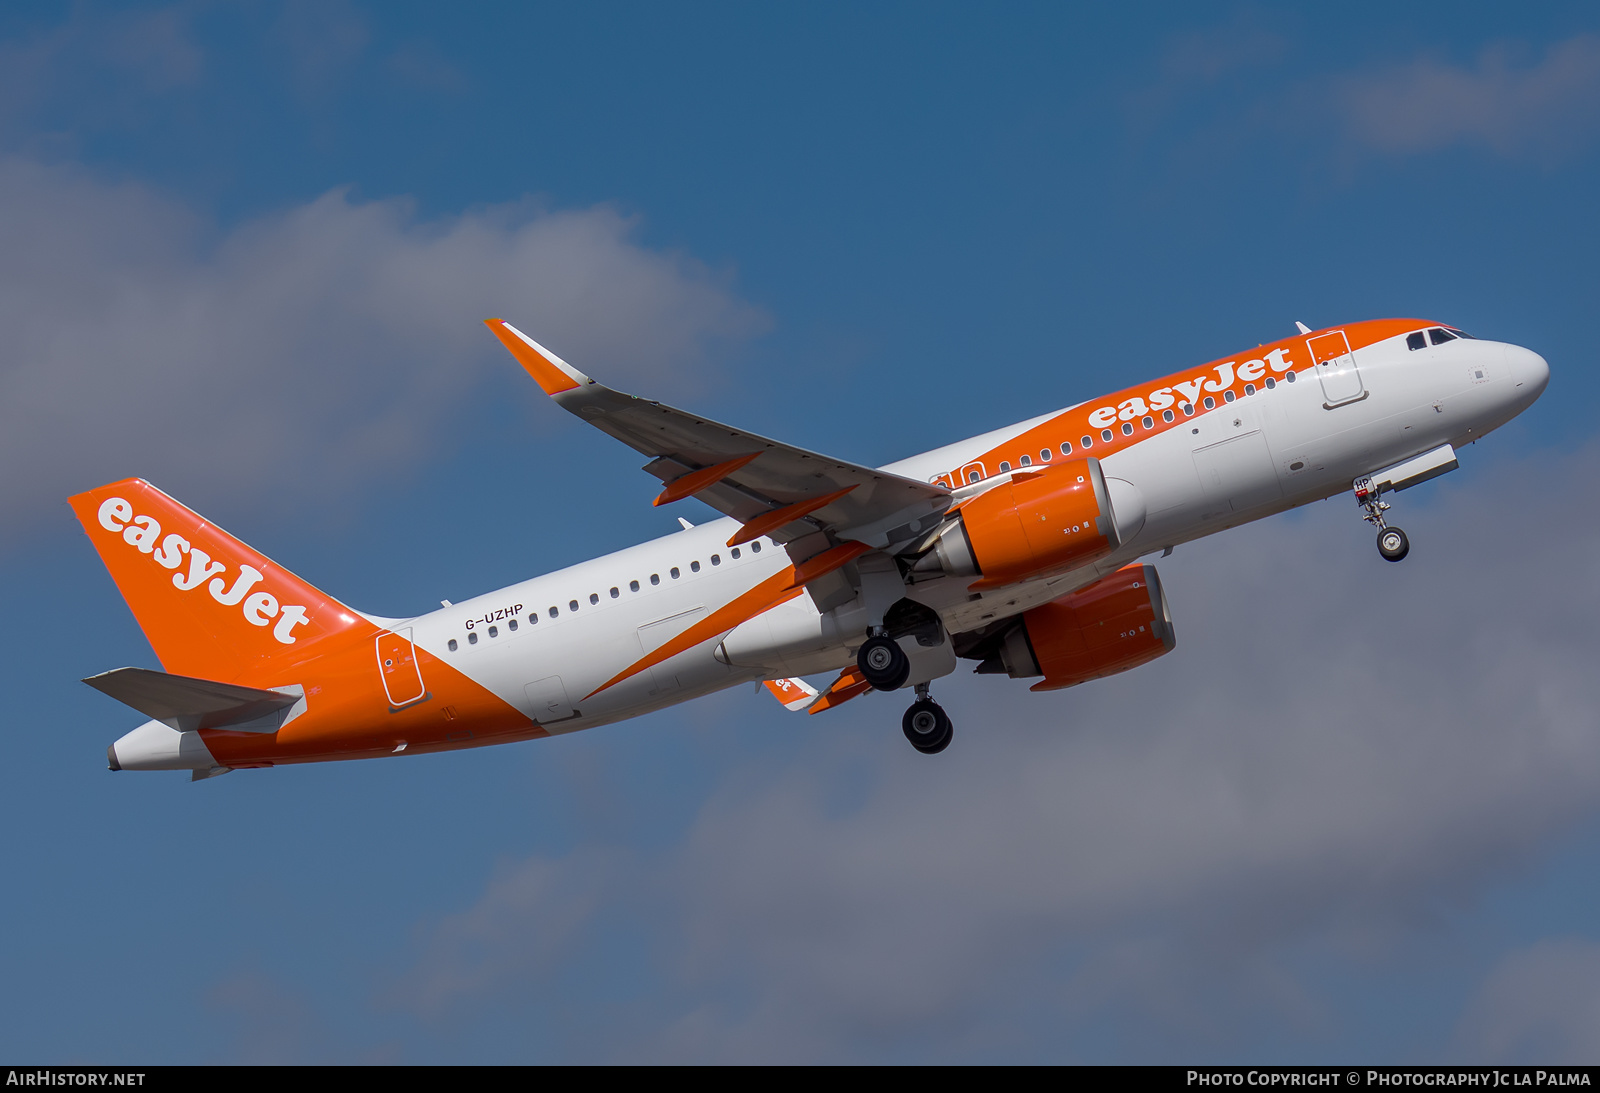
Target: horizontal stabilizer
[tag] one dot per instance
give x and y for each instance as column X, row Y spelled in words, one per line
column 187, row 704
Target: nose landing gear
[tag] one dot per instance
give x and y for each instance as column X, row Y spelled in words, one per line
column 926, row 724
column 1392, row 542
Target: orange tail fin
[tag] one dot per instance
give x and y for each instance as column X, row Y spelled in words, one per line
column 210, row 606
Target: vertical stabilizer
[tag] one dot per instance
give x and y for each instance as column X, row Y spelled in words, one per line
column 210, row 606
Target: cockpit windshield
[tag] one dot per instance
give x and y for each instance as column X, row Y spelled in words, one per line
column 1439, row 335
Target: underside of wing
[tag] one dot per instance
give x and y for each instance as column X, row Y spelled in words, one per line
column 807, row 501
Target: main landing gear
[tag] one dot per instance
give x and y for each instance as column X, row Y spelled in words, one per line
column 1392, row 542
column 926, row 724
column 885, row 665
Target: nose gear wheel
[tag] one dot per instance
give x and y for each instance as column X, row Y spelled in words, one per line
column 1393, row 544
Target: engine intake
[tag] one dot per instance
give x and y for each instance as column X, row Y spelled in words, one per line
column 1117, row 623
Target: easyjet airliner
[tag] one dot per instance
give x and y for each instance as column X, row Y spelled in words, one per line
column 1018, row 550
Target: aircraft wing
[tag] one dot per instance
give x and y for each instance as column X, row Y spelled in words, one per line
column 771, row 488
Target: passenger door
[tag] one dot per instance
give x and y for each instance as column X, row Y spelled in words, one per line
column 398, row 668
column 1336, row 368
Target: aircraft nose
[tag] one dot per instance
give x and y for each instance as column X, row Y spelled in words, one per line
column 1530, row 373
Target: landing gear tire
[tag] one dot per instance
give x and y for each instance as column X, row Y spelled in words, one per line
column 927, row 726
column 1393, row 544
column 883, row 663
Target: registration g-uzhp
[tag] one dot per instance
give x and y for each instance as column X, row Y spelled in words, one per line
column 1018, row 550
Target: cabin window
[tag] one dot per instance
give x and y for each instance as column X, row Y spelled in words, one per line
column 1210, row 403
column 1148, row 423
column 1288, row 377
column 1227, row 396
column 1127, row 428
column 511, row 624
column 1440, row 336
column 1419, row 340
column 1044, row 453
column 1105, row 435
column 755, row 547
column 736, row 554
column 1026, row 461
column 1249, row 388
column 594, row 598
column 633, row 586
column 1087, row 442
column 716, row 559
column 572, row 605
column 494, row 631
column 655, row 578
column 615, row 592
column 1271, row 383
column 1166, row 415
column 453, row 645
column 472, row 639
column 694, row 567
column 1005, row 465
column 554, row 611
column 674, row 572
column 1188, row 409
column 533, row 619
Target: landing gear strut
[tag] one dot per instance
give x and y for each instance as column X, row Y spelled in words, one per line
column 1392, row 542
column 883, row 663
column 926, row 724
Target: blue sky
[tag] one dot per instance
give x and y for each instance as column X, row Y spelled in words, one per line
column 243, row 252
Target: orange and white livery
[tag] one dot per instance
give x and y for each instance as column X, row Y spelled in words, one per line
column 1018, row 550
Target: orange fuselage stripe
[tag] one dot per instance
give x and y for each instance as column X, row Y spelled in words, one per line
column 774, row 590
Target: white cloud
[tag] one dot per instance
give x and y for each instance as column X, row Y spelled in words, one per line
column 1546, row 108
column 1540, row 1005
column 1338, row 750
column 317, row 347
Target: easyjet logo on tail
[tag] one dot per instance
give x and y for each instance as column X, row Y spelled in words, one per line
column 144, row 534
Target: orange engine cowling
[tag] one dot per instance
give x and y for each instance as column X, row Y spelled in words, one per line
column 1117, row 623
column 1040, row 521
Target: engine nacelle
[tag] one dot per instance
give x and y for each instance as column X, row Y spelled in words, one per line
column 1041, row 521
column 1117, row 623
